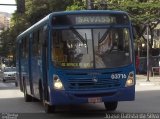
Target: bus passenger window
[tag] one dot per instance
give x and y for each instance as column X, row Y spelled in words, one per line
column 57, row 48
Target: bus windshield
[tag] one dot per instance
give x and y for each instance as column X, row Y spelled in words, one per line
column 91, row 48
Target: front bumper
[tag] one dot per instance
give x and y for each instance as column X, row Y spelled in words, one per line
column 79, row 97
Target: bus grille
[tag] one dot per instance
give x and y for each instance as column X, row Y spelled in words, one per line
column 85, row 84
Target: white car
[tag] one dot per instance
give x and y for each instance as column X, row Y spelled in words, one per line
column 9, row 73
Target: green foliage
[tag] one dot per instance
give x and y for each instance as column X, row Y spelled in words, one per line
column 78, row 5
column 34, row 11
column 140, row 11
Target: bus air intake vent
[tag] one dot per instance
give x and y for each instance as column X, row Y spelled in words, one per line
column 89, row 83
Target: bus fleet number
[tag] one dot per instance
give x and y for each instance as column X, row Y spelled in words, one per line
column 118, row 76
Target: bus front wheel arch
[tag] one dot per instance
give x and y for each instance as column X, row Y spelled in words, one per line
column 111, row 106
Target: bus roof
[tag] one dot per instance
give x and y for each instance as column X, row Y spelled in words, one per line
column 89, row 11
column 45, row 20
column 39, row 23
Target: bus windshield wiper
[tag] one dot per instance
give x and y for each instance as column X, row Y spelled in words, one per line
column 78, row 35
column 86, row 42
column 105, row 35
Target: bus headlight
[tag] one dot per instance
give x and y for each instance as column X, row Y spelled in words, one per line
column 57, row 84
column 130, row 80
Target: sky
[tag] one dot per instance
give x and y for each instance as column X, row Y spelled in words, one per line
column 8, row 9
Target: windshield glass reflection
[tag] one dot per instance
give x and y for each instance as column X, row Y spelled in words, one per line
column 91, row 48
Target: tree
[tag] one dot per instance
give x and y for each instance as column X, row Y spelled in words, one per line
column 34, row 11
column 77, row 5
column 143, row 13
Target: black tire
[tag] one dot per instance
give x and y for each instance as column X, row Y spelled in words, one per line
column 40, row 91
column 49, row 108
column 34, row 99
column 111, row 106
column 27, row 97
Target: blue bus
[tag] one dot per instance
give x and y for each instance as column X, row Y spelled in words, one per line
column 76, row 57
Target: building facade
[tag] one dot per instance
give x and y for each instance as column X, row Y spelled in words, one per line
column 4, row 21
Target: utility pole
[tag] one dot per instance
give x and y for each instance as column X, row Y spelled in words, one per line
column 89, row 4
column 20, row 6
column 103, row 5
column 148, row 64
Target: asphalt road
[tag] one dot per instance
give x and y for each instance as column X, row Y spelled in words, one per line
column 12, row 104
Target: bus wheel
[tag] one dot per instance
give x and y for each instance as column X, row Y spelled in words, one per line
column 49, row 108
column 110, row 106
column 27, row 97
column 40, row 91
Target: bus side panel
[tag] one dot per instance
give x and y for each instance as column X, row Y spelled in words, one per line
column 18, row 66
column 35, row 69
column 36, row 62
column 25, row 66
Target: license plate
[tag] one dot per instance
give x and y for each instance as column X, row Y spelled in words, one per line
column 95, row 100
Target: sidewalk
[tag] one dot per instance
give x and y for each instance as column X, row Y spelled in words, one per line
column 142, row 80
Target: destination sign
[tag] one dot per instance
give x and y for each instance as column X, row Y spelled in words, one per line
column 81, row 19
column 94, row 19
